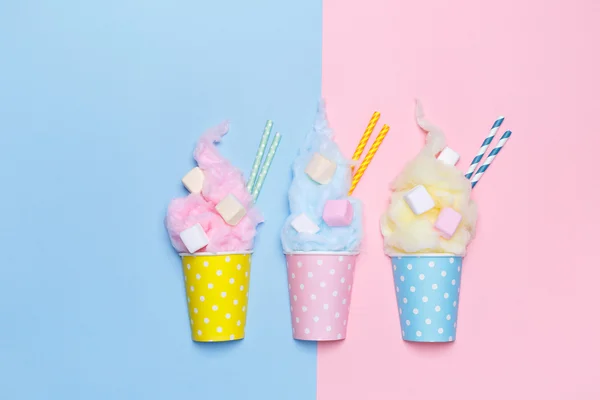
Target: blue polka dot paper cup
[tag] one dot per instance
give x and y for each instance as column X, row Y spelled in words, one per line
column 427, row 288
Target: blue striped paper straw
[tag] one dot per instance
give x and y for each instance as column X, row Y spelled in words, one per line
column 488, row 161
column 484, row 147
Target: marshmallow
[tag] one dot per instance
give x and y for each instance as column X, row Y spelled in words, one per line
column 194, row 180
column 448, row 156
column 447, row 222
column 320, row 169
column 303, row 224
column 338, row 213
column 231, row 209
column 419, row 200
column 194, row 238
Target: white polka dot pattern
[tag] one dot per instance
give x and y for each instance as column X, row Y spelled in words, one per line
column 427, row 290
column 217, row 292
column 320, row 291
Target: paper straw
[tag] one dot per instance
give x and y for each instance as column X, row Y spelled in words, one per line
column 488, row 161
column 365, row 137
column 365, row 163
column 484, row 147
column 259, row 155
column 265, row 167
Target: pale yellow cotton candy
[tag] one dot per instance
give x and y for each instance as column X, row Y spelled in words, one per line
column 405, row 232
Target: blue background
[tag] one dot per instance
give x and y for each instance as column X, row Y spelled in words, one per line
column 101, row 103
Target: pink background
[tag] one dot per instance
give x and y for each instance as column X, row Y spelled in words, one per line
column 528, row 324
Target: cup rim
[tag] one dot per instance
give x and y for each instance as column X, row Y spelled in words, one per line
column 322, row 253
column 219, row 253
column 423, row 255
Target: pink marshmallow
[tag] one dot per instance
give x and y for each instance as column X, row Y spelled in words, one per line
column 447, row 222
column 338, row 213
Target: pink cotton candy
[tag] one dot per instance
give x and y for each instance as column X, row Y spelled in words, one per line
column 220, row 179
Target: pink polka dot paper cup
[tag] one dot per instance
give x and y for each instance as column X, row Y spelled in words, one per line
column 320, row 286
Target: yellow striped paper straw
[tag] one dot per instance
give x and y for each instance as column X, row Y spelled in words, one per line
column 365, row 163
column 365, row 137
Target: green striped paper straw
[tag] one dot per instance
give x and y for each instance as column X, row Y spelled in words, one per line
column 259, row 155
column 265, row 167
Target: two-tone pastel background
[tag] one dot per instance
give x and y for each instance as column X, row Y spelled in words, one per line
column 101, row 104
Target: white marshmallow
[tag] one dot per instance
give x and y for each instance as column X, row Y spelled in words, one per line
column 448, row 156
column 419, row 200
column 320, row 169
column 194, row 238
column 303, row 224
column 194, row 180
column 231, row 209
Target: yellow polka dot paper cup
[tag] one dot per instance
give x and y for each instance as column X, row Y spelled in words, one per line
column 216, row 285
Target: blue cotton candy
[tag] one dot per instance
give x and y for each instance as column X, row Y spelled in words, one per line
column 309, row 197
